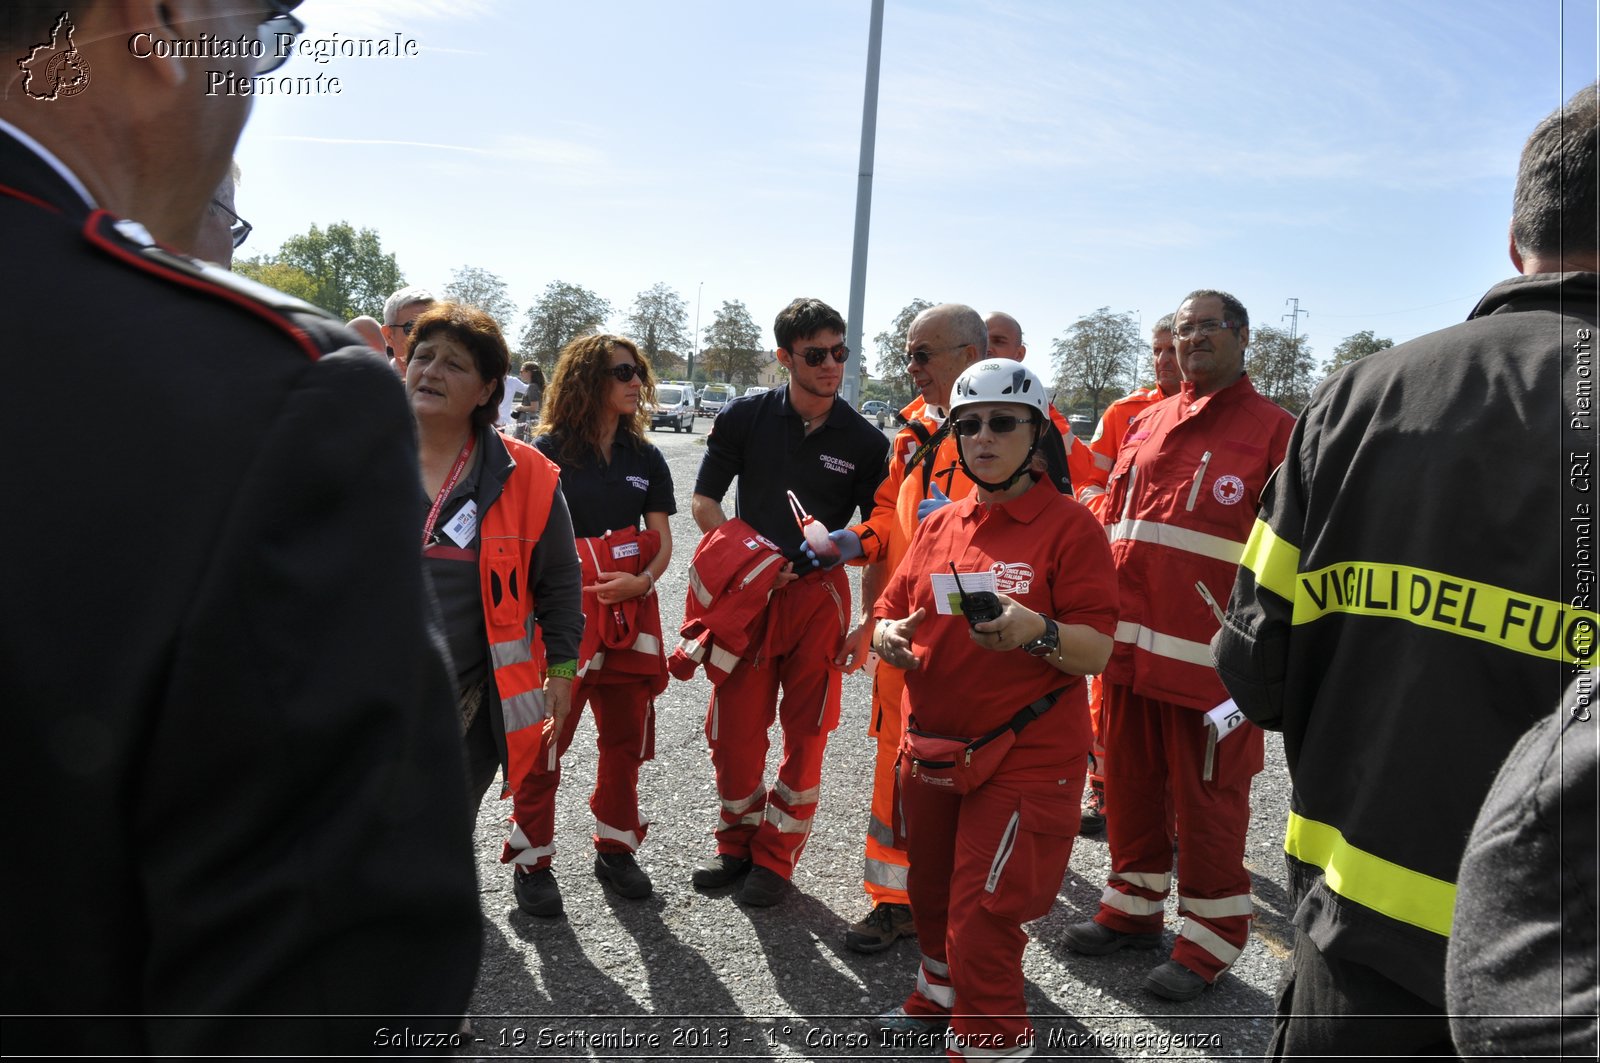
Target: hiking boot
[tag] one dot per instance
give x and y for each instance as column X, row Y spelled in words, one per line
column 1097, row 939
column 537, row 892
column 884, row 925
column 721, row 870
column 1092, row 820
column 622, row 873
column 896, row 1022
column 1173, row 981
column 763, row 888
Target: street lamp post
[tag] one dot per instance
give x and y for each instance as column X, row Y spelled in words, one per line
column 696, row 345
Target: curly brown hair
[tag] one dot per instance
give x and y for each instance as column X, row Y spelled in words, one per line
column 577, row 391
column 478, row 333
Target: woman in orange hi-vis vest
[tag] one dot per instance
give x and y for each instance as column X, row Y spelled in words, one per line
column 497, row 545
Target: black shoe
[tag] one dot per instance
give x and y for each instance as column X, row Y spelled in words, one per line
column 896, row 1023
column 1173, row 981
column 1093, row 818
column 763, row 888
column 882, row 927
column 622, row 873
column 721, row 870
column 1097, row 939
column 537, row 892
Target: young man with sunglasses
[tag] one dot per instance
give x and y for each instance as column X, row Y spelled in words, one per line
column 1180, row 504
column 798, row 439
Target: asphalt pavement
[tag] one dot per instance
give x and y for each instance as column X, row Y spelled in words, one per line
column 691, row 975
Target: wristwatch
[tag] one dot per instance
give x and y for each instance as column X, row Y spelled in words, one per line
column 1045, row 644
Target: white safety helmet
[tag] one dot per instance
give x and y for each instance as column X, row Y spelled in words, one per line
column 999, row 380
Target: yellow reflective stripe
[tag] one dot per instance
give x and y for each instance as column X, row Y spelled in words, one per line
column 1521, row 623
column 1272, row 560
column 1371, row 881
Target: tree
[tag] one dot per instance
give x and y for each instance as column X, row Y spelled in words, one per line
column 350, row 273
column 733, row 347
column 1280, row 368
column 891, row 359
column 1354, row 348
column 263, row 269
column 562, row 314
column 1096, row 358
column 659, row 324
column 484, row 290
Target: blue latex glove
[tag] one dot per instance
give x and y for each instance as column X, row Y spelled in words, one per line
column 931, row 503
column 849, row 544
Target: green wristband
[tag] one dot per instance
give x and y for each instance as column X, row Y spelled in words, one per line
column 562, row 670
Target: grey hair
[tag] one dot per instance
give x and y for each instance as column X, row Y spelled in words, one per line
column 405, row 297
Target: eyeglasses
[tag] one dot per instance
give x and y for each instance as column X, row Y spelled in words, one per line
column 924, row 356
column 1204, row 328
column 407, row 327
column 276, row 25
column 815, row 356
column 626, row 372
column 1000, row 424
column 238, row 228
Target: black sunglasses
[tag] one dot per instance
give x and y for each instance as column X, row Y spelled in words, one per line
column 238, row 228
column 408, row 326
column 1000, row 424
column 923, row 357
column 626, row 372
column 814, row 356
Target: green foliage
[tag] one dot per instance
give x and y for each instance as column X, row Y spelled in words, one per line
column 349, row 272
column 659, row 324
column 562, row 314
column 279, row 275
column 894, row 384
column 1280, row 368
column 733, row 350
column 1096, row 358
column 1354, row 348
column 484, row 290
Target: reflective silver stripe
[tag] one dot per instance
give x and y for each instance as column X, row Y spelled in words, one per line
column 597, row 662
column 889, row 876
column 792, row 798
column 1164, row 645
column 1130, row 903
column 514, row 651
column 1199, row 478
column 1008, row 843
column 610, row 833
column 526, row 852
column 749, row 819
column 1170, row 535
column 1127, row 500
column 1217, row 907
column 739, row 805
column 647, row 644
column 722, row 659
column 934, row 967
column 1090, row 491
column 524, row 709
column 786, row 823
column 1103, row 461
column 1207, row 939
column 942, row 995
column 880, row 832
column 701, row 595
column 1148, row 880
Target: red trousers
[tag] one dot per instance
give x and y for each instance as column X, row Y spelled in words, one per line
column 1155, row 748
column 804, row 628
column 624, row 719
column 982, row 864
column 885, row 867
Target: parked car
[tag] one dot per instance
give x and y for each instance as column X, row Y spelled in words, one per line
column 754, row 389
column 1082, row 425
column 877, row 410
column 674, row 406
column 713, row 397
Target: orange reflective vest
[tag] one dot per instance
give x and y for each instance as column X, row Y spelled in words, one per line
column 509, row 532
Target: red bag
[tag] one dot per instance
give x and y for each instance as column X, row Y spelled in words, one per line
column 961, row 765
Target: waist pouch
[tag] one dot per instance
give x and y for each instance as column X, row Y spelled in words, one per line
column 961, row 765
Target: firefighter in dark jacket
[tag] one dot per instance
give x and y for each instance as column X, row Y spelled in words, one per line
column 1408, row 605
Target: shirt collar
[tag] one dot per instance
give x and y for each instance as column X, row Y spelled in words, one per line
column 49, row 158
column 1021, row 509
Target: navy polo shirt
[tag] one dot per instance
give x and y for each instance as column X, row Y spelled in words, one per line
column 603, row 498
column 760, row 439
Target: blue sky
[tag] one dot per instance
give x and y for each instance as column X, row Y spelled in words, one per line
column 1044, row 157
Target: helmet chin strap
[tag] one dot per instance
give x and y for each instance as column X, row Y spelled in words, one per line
column 1022, row 470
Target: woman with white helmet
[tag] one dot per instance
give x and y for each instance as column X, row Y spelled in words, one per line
column 1005, row 600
